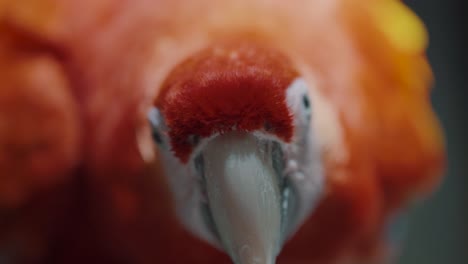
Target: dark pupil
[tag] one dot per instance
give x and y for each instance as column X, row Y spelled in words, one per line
column 305, row 101
column 156, row 136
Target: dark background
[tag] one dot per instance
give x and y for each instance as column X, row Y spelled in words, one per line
column 438, row 231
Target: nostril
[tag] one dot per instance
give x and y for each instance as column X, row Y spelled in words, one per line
column 193, row 140
column 268, row 127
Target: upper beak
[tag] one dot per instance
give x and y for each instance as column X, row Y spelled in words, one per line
column 244, row 197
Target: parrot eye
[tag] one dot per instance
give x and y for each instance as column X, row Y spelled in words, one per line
column 157, row 126
column 156, row 136
column 305, row 101
column 299, row 103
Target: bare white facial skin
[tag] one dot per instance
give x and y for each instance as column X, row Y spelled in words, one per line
column 244, row 197
column 248, row 193
column 303, row 155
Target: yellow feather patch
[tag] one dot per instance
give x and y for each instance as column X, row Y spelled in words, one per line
column 403, row 28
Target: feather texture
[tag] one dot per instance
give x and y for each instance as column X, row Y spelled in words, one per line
column 93, row 68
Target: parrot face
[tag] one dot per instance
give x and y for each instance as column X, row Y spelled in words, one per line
column 233, row 129
column 247, row 145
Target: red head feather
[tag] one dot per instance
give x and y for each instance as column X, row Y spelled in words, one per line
column 230, row 85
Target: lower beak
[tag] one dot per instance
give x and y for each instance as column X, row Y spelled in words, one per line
column 244, row 197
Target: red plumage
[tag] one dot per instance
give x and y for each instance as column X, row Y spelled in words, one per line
column 113, row 58
column 236, row 83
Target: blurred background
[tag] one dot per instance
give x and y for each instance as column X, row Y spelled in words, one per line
column 438, row 231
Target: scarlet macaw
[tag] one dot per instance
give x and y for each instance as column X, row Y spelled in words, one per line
column 211, row 132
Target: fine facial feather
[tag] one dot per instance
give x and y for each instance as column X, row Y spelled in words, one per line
column 235, row 84
column 122, row 51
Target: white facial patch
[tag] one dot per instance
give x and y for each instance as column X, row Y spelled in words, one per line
column 183, row 180
column 298, row 166
column 303, row 155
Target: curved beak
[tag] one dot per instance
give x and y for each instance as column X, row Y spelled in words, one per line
column 244, row 197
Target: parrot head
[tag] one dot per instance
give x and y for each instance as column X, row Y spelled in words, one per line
column 232, row 125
